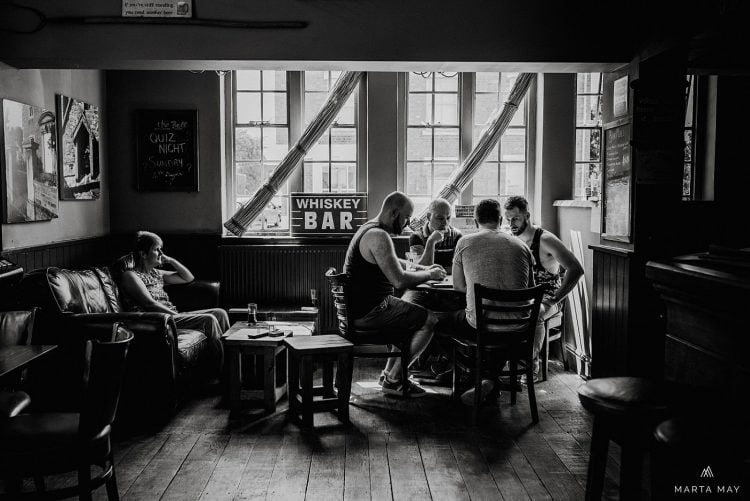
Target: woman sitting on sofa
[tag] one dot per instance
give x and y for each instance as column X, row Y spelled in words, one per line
column 143, row 288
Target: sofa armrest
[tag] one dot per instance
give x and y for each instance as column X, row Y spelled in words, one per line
column 196, row 295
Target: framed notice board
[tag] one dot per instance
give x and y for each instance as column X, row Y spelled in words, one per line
column 617, row 184
column 166, row 144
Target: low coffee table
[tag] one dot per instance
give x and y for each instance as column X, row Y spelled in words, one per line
column 267, row 351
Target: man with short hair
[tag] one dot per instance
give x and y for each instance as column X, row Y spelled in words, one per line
column 549, row 256
column 437, row 239
column 374, row 270
column 493, row 259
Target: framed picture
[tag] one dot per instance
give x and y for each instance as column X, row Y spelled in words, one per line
column 166, row 143
column 79, row 149
column 29, row 171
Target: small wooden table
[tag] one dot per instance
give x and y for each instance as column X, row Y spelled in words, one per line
column 15, row 358
column 268, row 351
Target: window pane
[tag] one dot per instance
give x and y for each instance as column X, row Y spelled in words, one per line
column 484, row 106
column 446, row 144
column 316, row 177
column 276, row 214
column 346, row 115
column 512, row 179
column 248, row 178
column 513, row 145
column 447, row 82
column 275, row 143
column 418, row 83
column 248, row 107
column 418, row 178
column 274, row 80
column 248, row 80
column 420, row 203
column 274, row 107
column 478, row 129
column 247, row 143
column 420, row 109
column 313, row 103
column 519, row 117
column 418, row 143
column 485, row 180
column 316, row 80
column 441, row 174
column 487, row 82
column 320, row 149
column 446, row 109
column 344, row 144
column 687, row 175
column 587, row 144
column 588, row 111
column 588, row 83
column 688, row 145
column 344, row 177
column 507, row 80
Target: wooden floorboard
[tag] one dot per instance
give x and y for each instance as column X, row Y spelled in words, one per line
column 393, row 449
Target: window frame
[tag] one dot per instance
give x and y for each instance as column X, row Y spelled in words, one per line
column 295, row 116
column 466, row 93
column 586, row 163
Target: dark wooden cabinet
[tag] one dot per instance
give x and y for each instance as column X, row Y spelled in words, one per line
column 707, row 303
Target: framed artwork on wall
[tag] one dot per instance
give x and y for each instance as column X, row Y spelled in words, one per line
column 166, row 145
column 79, row 149
column 29, row 170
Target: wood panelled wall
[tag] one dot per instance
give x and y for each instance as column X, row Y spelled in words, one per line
column 69, row 254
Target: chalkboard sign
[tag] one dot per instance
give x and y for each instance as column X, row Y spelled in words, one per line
column 167, row 150
column 617, row 184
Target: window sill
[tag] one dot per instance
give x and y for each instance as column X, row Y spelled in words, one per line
column 588, row 204
column 288, row 240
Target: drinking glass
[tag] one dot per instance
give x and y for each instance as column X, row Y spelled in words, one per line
column 314, row 296
column 412, row 258
column 252, row 310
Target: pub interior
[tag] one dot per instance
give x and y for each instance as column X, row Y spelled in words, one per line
column 626, row 142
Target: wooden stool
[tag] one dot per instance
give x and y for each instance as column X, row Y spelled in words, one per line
column 326, row 350
column 625, row 409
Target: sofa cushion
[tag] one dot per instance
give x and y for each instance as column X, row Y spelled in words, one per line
column 83, row 291
column 190, row 345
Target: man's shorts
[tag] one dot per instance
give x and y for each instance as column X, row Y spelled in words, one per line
column 439, row 301
column 394, row 313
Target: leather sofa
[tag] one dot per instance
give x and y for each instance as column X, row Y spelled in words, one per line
column 163, row 362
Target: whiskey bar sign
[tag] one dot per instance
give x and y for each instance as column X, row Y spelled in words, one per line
column 328, row 214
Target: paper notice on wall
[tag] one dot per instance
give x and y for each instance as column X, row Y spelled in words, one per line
column 157, row 8
column 464, row 219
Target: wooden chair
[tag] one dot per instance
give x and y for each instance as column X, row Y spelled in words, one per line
column 16, row 328
column 367, row 343
column 52, row 443
column 500, row 339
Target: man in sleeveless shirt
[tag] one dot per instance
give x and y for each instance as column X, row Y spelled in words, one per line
column 549, row 256
column 374, row 271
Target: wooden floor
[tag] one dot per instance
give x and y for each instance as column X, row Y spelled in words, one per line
column 403, row 450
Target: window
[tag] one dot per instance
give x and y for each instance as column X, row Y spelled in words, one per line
column 588, row 165
column 331, row 165
column 503, row 173
column 432, row 134
column 437, row 103
column 688, row 176
column 267, row 106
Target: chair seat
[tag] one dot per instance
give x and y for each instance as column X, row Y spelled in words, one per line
column 623, row 397
column 52, row 436
column 13, row 403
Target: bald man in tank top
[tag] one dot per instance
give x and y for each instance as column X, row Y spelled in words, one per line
column 374, row 271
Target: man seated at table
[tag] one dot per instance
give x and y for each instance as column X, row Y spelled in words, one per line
column 550, row 254
column 374, row 270
column 493, row 259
